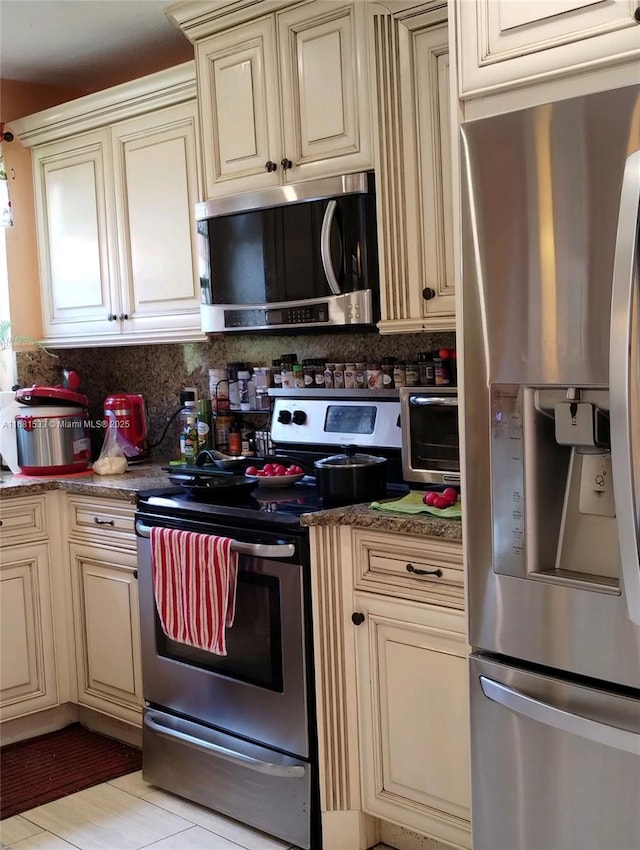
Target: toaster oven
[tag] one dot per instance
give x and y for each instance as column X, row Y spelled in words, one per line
column 430, row 435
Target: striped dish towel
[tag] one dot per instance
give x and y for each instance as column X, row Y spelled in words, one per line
column 194, row 581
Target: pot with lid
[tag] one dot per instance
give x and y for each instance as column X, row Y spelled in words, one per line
column 345, row 479
column 52, row 431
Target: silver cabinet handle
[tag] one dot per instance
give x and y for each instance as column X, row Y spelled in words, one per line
column 564, row 721
column 424, row 400
column 325, row 247
column 622, row 372
column 280, row 770
column 255, row 550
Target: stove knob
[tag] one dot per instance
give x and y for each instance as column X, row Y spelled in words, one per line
column 284, row 417
column 299, row 417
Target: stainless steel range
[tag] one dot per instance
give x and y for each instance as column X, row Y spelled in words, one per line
column 237, row 733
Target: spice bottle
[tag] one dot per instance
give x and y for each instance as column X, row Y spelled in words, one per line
column 386, row 366
column 222, row 428
column 400, row 375
column 374, row 375
column 426, row 367
column 309, row 372
column 235, row 438
column 319, row 374
column 413, row 374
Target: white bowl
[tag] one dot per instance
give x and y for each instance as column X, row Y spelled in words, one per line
column 278, row 480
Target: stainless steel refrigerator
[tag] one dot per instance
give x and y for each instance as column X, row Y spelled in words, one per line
column 551, row 395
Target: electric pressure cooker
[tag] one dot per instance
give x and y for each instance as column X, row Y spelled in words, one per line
column 52, row 431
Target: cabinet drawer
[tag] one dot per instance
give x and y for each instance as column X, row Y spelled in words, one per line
column 23, row 519
column 102, row 519
column 425, row 569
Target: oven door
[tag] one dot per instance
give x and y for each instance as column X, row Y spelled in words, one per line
column 258, row 689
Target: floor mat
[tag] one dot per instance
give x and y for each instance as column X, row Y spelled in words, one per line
column 51, row 766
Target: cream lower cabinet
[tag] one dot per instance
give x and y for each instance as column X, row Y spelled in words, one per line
column 116, row 180
column 33, row 663
column 413, row 716
column 414, row 153
column 107, row 632
column 283, row 97
column 503, row 44
column 103, row 563
column 391, row 681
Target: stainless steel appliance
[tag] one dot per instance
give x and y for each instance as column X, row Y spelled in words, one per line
column 293, row 257
column 237, row 733
column 430, row 435
column 52, row 431
column 552, row 472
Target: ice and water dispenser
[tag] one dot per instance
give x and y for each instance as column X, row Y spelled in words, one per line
column 552, row 485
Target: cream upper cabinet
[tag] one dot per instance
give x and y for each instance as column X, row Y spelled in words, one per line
column 156, row 179
column 506, row 43
column 284, row 98
column 75, row 223
column 414, row 716
column 414, row 166
column 116, row 182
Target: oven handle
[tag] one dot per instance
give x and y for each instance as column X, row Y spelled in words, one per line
column 279, row 770
column 255, row 550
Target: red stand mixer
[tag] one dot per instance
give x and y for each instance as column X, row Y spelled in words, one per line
column 129, row 412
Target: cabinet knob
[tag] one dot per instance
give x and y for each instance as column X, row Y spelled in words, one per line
column 417, row 572
column 428, row 293
column 99, row 521
column 111, row 317
column 357, row 618
column 636, row 14
column 286, row 163
column 123, row 316
column 270, row 166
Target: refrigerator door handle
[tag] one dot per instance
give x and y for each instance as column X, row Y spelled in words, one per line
column 564, row 721
column 621, row 375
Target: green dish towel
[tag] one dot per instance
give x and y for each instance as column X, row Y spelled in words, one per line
column 412, row 504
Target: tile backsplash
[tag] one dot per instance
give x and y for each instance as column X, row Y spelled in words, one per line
column 161, row 371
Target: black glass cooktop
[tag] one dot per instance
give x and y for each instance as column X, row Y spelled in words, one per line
column 273, row 506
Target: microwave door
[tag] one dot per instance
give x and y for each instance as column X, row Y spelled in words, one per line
column 325, row 247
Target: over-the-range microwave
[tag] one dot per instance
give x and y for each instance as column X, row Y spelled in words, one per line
column 290, row 257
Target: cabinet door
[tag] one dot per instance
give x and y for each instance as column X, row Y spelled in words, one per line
column 27, row 646
column 239, row 103
column 107, row 630
column 415, row 189
column 413, row 712
column 325, row 96
column 502, row 42
column 155, row 162
column 74, row 206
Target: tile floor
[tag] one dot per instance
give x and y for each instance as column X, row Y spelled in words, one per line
column 128, row 814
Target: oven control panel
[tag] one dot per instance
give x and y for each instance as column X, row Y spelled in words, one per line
column 364, row 422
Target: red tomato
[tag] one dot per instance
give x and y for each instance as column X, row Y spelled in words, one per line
column 451, row 494
column 429, row 497
column 261, row 473
column 295, row 469
column 279, row 469
column 440, row 502
column 268, row 469
column 289, row 472
column 251, row 470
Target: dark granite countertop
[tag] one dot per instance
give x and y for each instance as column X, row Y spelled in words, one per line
column 362, row 516
column 147, row 476
column 125, row 486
